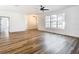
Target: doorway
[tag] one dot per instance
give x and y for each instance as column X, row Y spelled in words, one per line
column 32, row 22
column 4, row 27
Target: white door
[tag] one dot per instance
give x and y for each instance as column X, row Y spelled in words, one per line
column 4, row 27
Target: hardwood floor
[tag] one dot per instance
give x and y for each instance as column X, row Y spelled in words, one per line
column 38, row 42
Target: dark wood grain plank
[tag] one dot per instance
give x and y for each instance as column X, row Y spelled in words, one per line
column 38, row 42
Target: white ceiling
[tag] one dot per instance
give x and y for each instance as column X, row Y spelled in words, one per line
column 31, row 9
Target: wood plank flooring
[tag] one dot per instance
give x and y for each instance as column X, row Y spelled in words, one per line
column 38, row 42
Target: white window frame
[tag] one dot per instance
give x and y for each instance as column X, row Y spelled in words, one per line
column 50, row 19
column 47, row 22
column 62, row 21
column 53, row 21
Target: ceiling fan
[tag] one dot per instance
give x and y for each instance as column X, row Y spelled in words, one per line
column 42, row 8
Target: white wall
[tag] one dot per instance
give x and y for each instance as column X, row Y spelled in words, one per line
column 32, row 21
column 72, row 22
column 18, row 22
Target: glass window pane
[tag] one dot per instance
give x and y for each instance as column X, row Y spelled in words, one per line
column 47, row 22
column 47, row 18
column 61, row 26
column 53, row 26
column 53, row 21
column 54, row 18
column 60, row 17
column 47, row 25
column 61, row 21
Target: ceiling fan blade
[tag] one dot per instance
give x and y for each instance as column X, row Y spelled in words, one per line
column 45, row 9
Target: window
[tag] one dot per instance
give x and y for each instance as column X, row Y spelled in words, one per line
column 61, row 21
column 47, row 22
column 55, row 21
